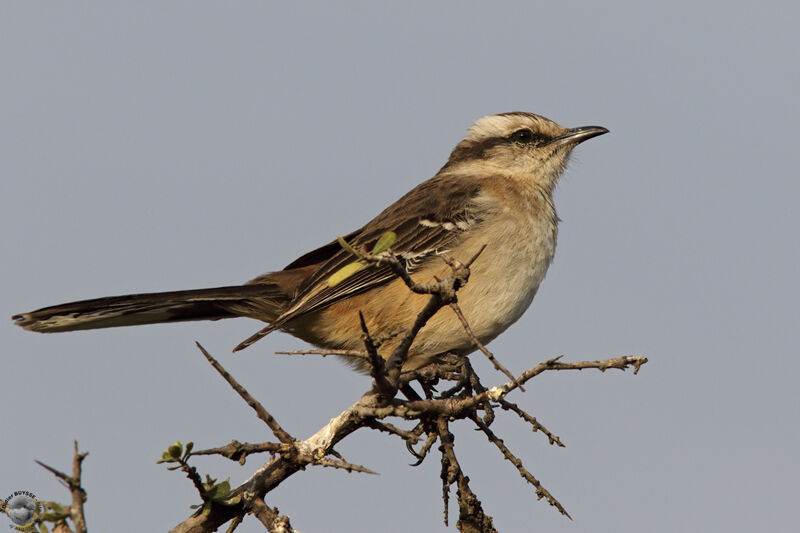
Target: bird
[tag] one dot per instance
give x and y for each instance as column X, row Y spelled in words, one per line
column 495, row 190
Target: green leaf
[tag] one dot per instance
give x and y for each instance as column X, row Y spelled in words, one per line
column 344, row 273
column 42, row 527
column 383, row 244
column 189, row 446
column 220, row 491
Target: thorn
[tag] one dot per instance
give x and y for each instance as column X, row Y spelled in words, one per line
column 474, row 257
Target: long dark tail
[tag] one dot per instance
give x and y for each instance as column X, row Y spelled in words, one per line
column 262, row 301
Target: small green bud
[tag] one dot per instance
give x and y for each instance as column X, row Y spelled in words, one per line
column 176, row 450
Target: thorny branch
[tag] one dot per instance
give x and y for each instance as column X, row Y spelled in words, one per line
column 471, row 517
column 262, row 413
column 59, row 514
column 541, row 492
column 489, row 355
column 270, row 517
column 238, row 451
column 535, row 424
column 467, row 399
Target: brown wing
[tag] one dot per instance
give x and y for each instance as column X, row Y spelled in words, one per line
column 323, row 253
column 429, row 219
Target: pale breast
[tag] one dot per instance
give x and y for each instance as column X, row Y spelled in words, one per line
column 504, row 281
column 520, row 244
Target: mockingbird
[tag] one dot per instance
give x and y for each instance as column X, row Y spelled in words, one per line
column 496, row 189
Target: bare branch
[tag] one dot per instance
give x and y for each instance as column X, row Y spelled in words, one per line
column 350, row 353
column 377, row 364
column 408, row 436
column 541, row 492
column 194, row 477
column 344, row 465
column 442, row 293
column 271, row 518
column 262, row 413
column 489, row 355
column 426, row 446
column 471, row 517
column 61, row 476
column 238, row 451
column 73, row 483
column 446, row 367
column 620, row 363
column 395, row 362
column 535, row 424
column 371, row 406
column 234, row 524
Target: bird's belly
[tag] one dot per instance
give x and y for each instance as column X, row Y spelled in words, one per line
column 503, row 281
column 502, row 284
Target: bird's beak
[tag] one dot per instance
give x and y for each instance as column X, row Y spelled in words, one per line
column 576, row 136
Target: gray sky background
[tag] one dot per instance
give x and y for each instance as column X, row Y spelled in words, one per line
column 190, row 144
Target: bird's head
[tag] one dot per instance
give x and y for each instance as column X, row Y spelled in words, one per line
column 519, row 144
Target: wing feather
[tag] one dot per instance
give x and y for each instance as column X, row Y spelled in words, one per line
column 428, row 220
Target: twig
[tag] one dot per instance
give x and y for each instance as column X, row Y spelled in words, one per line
column 234, row 524
column 470, row 512
column 62, row 477
column 350, row 353
column 377, row 364
column 270, row 517
column 442, row 293
column 73, row 483
column 448, row 367
column 408, row 436
column 450, row 467
column 395, row 362
column 238, row 451
column 489, row 355
column 535, row 424
column 262, row 413
column 621, row 363
column 344, row 465
column 426, row 446
column 541, row 492
column 462, row 406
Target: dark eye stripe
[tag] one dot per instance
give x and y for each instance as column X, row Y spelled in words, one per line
column 527, row 136
column 468, row 149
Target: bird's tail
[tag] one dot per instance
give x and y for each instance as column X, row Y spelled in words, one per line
column 263, row 301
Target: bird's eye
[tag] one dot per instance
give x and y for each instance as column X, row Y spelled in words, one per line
column 522, row 136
